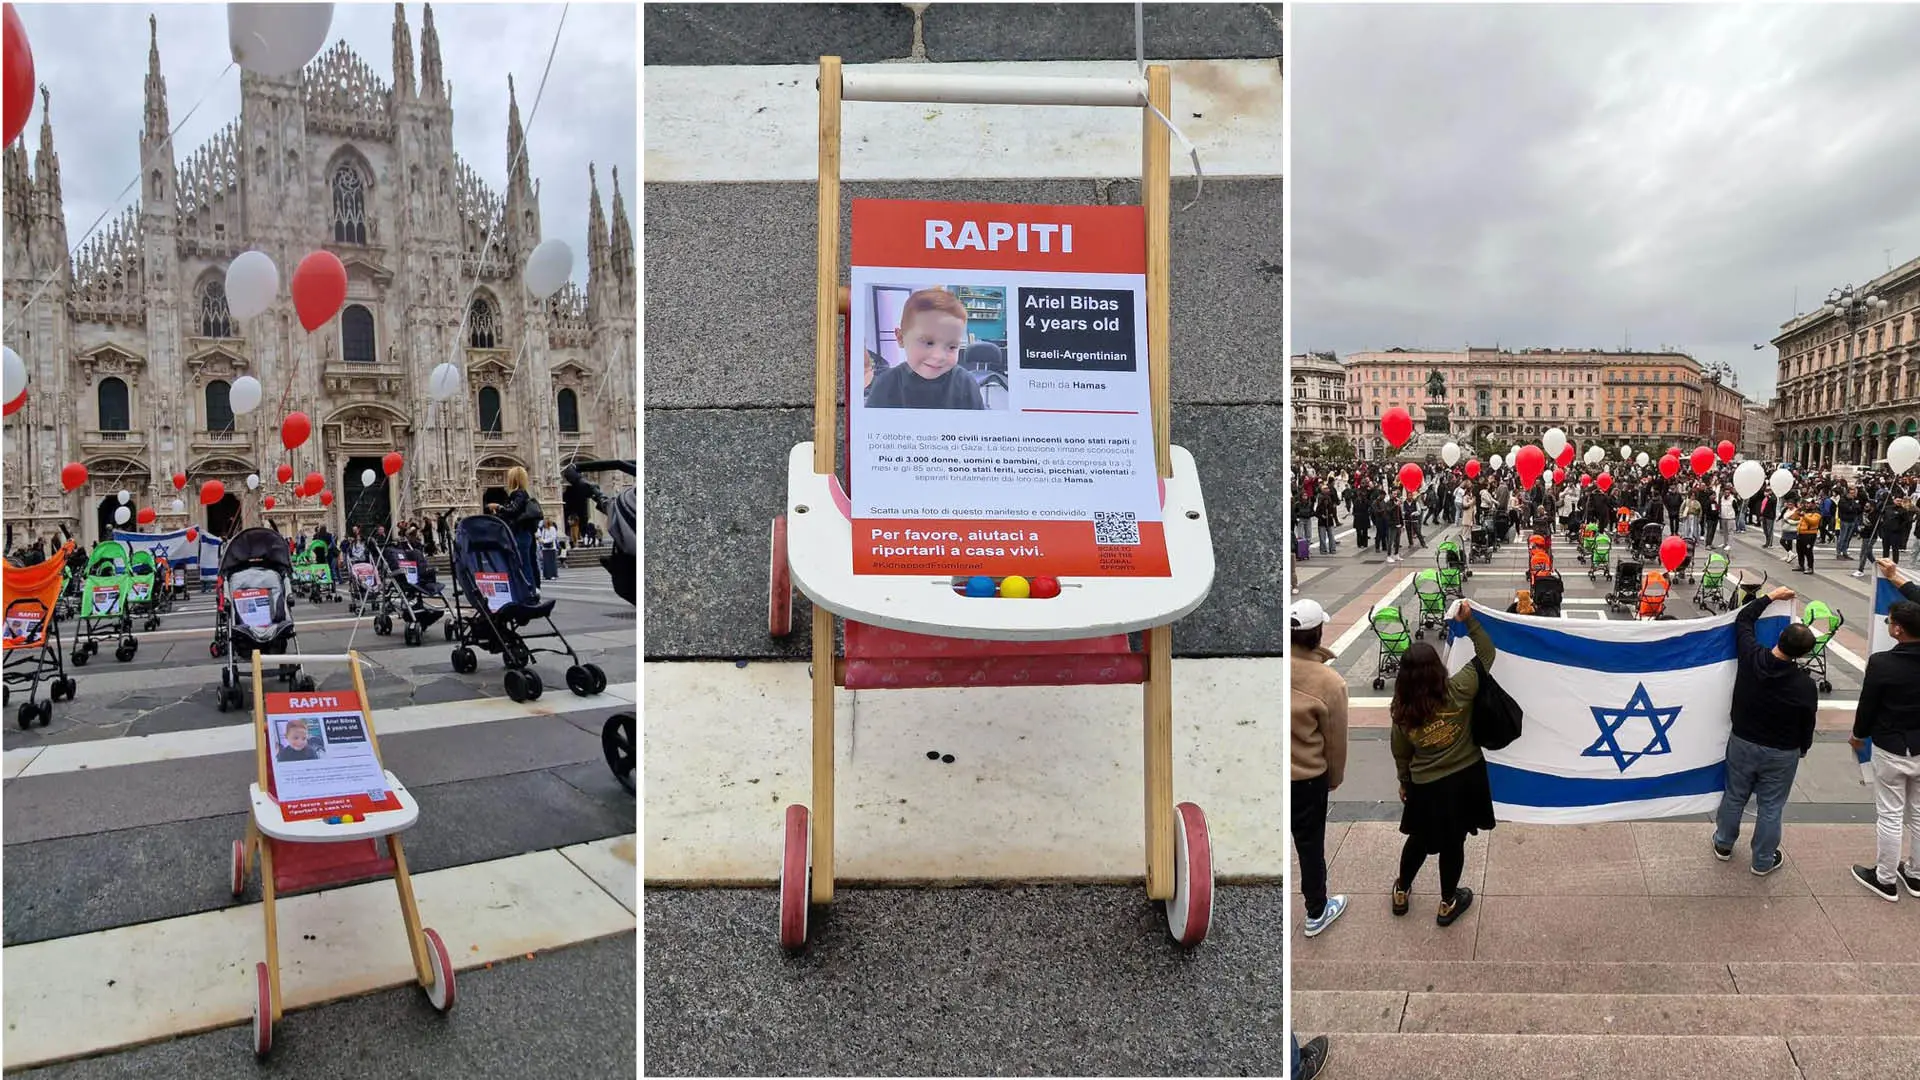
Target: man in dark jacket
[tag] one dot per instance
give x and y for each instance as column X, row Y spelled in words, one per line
column 1889, row 714
column 1848, row 507
column 1774, row 705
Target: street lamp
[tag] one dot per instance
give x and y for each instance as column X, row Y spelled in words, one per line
column 1854, row 309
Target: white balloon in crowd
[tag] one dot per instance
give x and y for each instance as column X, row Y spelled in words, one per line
column 1513, row 452
column 1782, row 482
column 1626, row 452
column 366, row 477
column 277, row 39
column 1641, row 459
column 444, row 382
column 1498, row 463
column 253, row 481
column 125, row 496
column 1450, row 454
column 548, row 268
column 15, row 379
column 121, row 515
column 1749, row 478
column 1595, row 455
column 244, row 395
column 1902, row 453
column 1553, row 442
column 178, row 505
column 252, row 282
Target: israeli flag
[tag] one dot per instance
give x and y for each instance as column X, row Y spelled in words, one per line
column 1622, row 720
column 1885, row 595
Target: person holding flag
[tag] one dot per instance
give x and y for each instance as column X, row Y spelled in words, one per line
column 1774, row 707
column 1889, row 715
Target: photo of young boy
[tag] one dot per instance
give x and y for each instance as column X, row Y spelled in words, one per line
column 298, row 743
column 932, row 337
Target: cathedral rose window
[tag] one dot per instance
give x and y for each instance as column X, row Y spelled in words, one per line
column 349, row 206
column 215, row 320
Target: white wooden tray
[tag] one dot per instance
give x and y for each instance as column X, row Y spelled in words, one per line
column 266, row 815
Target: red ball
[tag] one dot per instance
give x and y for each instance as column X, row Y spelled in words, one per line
column 1605, row 482
column 145, row 516
column 1411, row 477
column 1045, row 588
column 1473, row 469
column 179, row 480
column 267, row 502
column 1673, row 552
column 326, row 498
column 313, row 483
column 1669, row 466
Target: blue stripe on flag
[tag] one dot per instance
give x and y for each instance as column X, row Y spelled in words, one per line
column 1522, row 787
column 1689, row 649
column 1885, row 595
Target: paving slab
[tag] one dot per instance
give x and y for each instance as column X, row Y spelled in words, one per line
column 1629, row 928
column 1568, row 1057
column 1829, row 1057
column 1827, row 978
column 1658, row 1014
column 1590, row 860
column 1677, row 860
column 1369, row 860
column 1876, row 931
column 775, row 33
column 1528, row 977
column 1348, row 1010
column 1099, row 31
column 1369, row 931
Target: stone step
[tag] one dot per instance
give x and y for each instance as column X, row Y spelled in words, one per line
column 1642, row 1057
column 1389, row 1011
column 1562, row 977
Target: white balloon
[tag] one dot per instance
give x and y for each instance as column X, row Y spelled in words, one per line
column 1513, row 452
column 1781, row 482
column 1553, row 442
column 1626, row 452
column 1498, row 463
column 125, row 496
column 1450, row 454
column 1749, row 478
column 1595, row 455
column 1641, row 459
column 277, row 39
column 548, row 268
column 444, row 382
column 252, row 283
column 244, row 395
column 253, row 481
column 15, row 379
column 179, row 505
column 366, row 477
column 121, row 515
column 1902, row 453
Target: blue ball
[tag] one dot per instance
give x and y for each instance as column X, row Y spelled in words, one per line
column 981, row 585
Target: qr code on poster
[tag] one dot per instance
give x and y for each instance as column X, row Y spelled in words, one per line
column 1116, row 528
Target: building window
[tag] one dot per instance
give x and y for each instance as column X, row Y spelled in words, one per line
column 568, row 406
column 356, row 335
column 215, row 320
column 482, row 324
column 349, row 205
column 490, row 410
column 219, row 409
column 114, row 414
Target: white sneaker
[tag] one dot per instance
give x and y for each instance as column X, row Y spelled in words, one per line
column 1859, row 573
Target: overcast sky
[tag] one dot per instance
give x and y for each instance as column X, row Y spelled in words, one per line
column 94, row 60
column 1595, row 175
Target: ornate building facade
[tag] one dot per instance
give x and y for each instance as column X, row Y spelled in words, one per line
column 1318, row 397
column 1818, row 419
column 131, row 349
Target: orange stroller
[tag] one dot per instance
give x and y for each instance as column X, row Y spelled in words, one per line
column 1539, row 561
column 1653, row 595
column 32, row 637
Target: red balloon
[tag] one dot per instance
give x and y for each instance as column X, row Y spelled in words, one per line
column 319, row 287
column 1702, row 460
column 267, row 502
column 1411, row 477
column 179, row 480
column 392, row 462
column 1566, row 455
column 145, row 515
column 1669, row 466
column 1673, row 552
column 313, row 483
column 283, row 474
column 294, row 431
column 192, row 535
column 19, row 77
column 326, row 498
column 14, row 406
column 1530, row 462
column 211, row 492
column 72, row 474
column 1473, row 469
column 1559, row 475
column 1727, row 450
column 1605, row 482
column 1585, row 480
column 1397, row 426
column 1674, row 450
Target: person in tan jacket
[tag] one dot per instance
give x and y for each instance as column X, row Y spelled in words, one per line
column 1319, row 755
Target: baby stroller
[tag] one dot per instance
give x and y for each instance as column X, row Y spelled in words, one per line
column 103, row 605
column 1548, row 591
column 493, row 600
column 1825, row 622
column 1452, row 565
column 412, row 591
column 256, row 571
column 1433, row 601
column 1539, row 562
column 1747, row 584
column 144, row 585
column 1600, row 559
column 1711, row 596
column 1588, row 534
column 363, row 581
column 72, row 578
column 1626, row 586
column 1653, row 595
column 313, row 573
column 167, row 581
column 1623, row 524
column 1647, row 535
column 1391, row 630
column 622, row 565
column 1480, row 545
column 32, row 638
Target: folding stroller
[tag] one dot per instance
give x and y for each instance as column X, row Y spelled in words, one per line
column 1684, row 572
column 103, row 605
column 144, row 585
column 1548, row 593
column 1600, row 560
column 494, row 600
column 1588, row 534
column 1539, row 563
column 256, row 572
column 1711, row 596
column 1452, row 564
column 167, row 582
column 313, row 573
column 1653, row 594
column 32, row 636
column 363, row 581
column 1432, row 592
column 1647, row 535
column 412, row 591
column 1390, row 628
column 1747, row 584
column 1626, row 585
column 1825, row 622
column 1480, row 544
column 622, row 565
column 1623, row 524
column 72, row 577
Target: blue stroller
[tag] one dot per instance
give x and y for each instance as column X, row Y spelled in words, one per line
column 494, row 602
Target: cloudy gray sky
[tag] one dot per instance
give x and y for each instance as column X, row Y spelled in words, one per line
column 94, row 60
column 1585, row 176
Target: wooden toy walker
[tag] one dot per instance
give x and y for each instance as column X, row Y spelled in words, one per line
column 325, row 841
column 915, row 631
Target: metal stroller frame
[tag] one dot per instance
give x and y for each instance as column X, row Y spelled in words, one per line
column 1600, row 559
column 1548, row 591
column 1815, row 662
column 1653, row 604
column 484, row 538
column 86, row 636
column 419, row 602
column 1625, row 593
column 319, row 585
column 623, row 566
column 140, row 559
column 1480, row 545
column 39, row 644
column 1711, row 596
column 1647, row 535
column 1393, row 644
column 257, row 548
column 1589, row 534
column 1432, row 593
column 363, row 596
column 1451, row 563
column 1745, row 586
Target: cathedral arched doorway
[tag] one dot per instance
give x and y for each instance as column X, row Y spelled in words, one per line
column 493, row 495
column 104, row 515
column 367, row 507
column 223, row 517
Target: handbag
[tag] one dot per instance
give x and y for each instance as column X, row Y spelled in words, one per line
column 1496, row 716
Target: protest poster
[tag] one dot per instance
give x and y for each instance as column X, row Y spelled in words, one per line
column 497, row 587
column 254, row 606
column 323, row 759
column 1000, row 416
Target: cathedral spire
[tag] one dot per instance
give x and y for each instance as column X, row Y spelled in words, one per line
column 402, row 54
column 431, row 86
column 598, row 286
column 46, row 168
column 517, row 168
column 620, row 252
column 157, row 126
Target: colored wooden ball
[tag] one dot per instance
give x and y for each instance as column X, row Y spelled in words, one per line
column 1014, row 587
column 980, row 585
column 1045, row 588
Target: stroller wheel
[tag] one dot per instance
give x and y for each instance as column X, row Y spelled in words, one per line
column 92, row 647
column 579, row 681
column 1379, row 684
column 122, row 653
column 80, row 657
column 616, row 741
column 1419, row 635
column 413, row 635
column 534, row 686
column 382, row 625
column 464, row 661
column 1826, row 687
column 599, row 677
column 28, row 711
column 516, row 682
column 448, row 628
column 226, row 678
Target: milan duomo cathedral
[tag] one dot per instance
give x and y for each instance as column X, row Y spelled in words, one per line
column 131, row 349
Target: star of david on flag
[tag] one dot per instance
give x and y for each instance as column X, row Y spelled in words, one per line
column 1639, row 707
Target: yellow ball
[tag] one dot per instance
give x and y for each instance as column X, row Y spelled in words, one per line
column 346, row 819
column 1015, row 587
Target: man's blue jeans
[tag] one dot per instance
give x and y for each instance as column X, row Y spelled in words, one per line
column 1326, row 536
column 1846, row 535
column 1766, row 775
column 1294, row 1069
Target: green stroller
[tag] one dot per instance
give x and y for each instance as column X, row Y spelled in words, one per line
column 144, row 588
column 1433, row 601
column 104, row 588
column 1825, row 622
column 1712, row 593
column 313, row 573
column 1451, row 562
column 1395, row 639
column 1600, row 559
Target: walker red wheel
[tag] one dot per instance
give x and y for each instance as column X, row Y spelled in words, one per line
column 239, row 867
column 796, row 878
column 262, row 1012
column 441, row 994
column 1190, row 911
column 780, row 579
